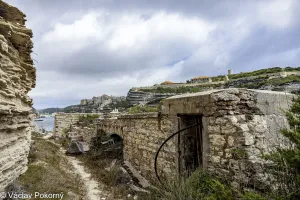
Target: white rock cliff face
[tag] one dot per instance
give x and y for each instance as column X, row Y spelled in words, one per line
column 17, row 78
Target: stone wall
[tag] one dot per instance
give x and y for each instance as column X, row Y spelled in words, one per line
column 17, row 77
column 64, row 121
column 239, row 127
column 142, row 135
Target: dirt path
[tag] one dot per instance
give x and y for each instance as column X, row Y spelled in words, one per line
column 94, row 190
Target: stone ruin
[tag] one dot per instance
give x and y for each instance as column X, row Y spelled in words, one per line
column 17, row 77
column 236, row 128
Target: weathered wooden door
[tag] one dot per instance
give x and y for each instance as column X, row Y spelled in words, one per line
column 190, row 146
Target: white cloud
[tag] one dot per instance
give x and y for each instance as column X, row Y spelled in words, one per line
column 127, row 31
column 277, row 13
column 137, row 43
column 70, row 38
column 88, row 52
column 136, row 32
column 63, row 88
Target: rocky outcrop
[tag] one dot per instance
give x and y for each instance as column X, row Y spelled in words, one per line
column 17, row 77
column 100, row 104
column 293, row 87
column 140, row 97
column 263, row 83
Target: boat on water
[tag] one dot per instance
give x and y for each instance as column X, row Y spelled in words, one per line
column 38, row 120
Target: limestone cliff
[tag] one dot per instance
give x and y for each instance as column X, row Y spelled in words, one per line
column 146, row 98
column 17, row 77
column 101, row 103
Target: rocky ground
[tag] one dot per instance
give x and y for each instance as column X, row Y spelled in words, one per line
column 51, row 171
column 94, row 190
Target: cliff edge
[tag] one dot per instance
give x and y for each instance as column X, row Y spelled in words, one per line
column 17, row 78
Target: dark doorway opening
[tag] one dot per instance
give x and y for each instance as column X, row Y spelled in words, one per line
column 107, row 146
column 190, row 145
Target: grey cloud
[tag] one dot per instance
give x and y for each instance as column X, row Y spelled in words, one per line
column 262, row 46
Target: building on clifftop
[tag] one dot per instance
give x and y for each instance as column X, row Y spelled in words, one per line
column 167, row 83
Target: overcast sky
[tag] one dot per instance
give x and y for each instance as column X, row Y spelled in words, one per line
column 86, row 48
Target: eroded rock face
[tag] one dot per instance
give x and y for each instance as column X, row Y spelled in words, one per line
column 17, row 78
column 140, row 97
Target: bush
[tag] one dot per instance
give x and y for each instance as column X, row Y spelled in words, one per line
column 256, row 73
column 285, row 80
column 88, row 119
column 182, row 90
column 200, row 185
column 122, row 104
column 292, row 69
column 218, row 78
column 252, row 196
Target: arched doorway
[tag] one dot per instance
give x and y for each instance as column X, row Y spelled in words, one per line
column 107, row 146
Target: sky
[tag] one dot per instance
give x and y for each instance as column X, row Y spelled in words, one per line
column 86, row 48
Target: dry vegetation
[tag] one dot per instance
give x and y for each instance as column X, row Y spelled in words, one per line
column 104, row 163
column 114, row 179
column 49, row 171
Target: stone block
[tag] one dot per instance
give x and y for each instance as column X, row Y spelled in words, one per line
column 215, row 159
column 217, row 140
column 249, row 138
column 244, row 127
column 230, row 141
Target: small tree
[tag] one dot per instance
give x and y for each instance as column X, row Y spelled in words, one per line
column 287, row 160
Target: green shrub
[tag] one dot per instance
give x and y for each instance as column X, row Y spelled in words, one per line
column 292, row 69
column 88, row 117
column 218, row 78
column 281, row 81
column 200, row 185
column 122, row 104
column 252, row 196
column 182, row 90
column 256, row 73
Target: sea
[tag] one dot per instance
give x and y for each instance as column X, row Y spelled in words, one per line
column 47, row 123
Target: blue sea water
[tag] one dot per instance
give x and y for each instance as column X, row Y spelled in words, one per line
column 47, row 123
